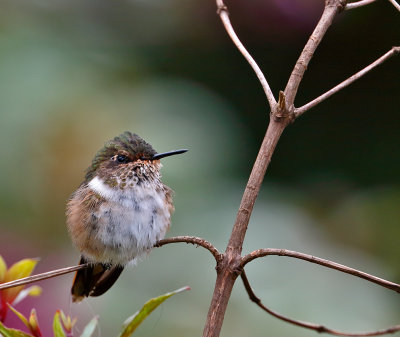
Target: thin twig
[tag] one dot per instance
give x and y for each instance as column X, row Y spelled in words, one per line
column 194, row 241
column 357, row 4
column 222, row 11
column 229, row 267
column 62, row 271
column 361, row 3
column 334, row 90
column 317, row 327
column 395, row 4
column 282, row 113
column 332, row 7
column 326, row 263
column 42, row 276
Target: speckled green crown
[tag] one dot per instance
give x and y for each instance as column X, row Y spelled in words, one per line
column 127, row 141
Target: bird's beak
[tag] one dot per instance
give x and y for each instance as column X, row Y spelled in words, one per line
column 167, row 154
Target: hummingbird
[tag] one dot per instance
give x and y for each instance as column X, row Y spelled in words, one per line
column 118, row 213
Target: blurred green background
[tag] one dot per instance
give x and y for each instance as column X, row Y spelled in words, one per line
column 74, row 74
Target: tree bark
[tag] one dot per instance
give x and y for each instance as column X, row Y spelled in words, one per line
column 228, row 268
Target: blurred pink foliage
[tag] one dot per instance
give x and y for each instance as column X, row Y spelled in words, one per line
column 12, row 296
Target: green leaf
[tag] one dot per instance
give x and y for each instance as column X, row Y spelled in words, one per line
column 134, row 321
column 67, row 323
column 65, row 320
column 3, row 269
column 57, row 327
column 90, row 327
column 20, row 316
column 18, row 270
column 6, row 332
column 31, row 291
column 34, row 324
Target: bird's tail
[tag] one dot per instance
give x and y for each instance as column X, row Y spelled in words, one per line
column 94, row 280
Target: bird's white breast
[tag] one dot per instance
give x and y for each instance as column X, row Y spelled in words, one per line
column 131, row 220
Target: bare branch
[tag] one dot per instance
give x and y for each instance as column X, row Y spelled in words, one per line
column 42, row 276
column 62, row 271
column 317, row 327
column 326, row 263
column 332, row 7
column 230, row 263
column 228, row 268
column 395, row 4
column 222, row 11
column 194, row 241
column 357, row 4
column 361, row 3
column 334, row 90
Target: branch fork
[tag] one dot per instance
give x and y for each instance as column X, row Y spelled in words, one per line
column 222, row 8
column 230, row 264
column 282, row 113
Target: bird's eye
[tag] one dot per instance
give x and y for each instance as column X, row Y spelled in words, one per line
column 122, row 159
